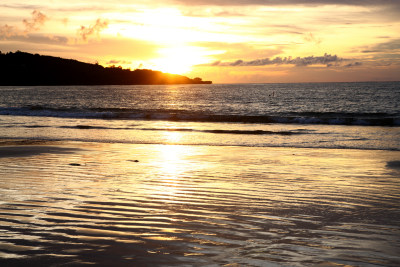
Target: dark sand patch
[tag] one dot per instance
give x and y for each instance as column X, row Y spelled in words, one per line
column 31, row 150
column 393, row 164
column 22, row 142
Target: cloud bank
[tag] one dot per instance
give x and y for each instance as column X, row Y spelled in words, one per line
column 326, row 59
column 390, row 46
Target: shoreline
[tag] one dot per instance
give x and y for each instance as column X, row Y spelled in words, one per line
column 15, row 148
column 5, row 141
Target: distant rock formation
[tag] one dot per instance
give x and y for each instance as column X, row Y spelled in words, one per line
column 22, row 68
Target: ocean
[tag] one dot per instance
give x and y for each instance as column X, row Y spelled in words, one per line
column 201, row 175
column 317, row 115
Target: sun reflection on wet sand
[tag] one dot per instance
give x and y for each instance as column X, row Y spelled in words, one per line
column 174, row 204
column 171, row 167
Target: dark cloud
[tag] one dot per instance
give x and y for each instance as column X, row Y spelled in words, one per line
column 326, row 59
column 85, row 32
column 353, row 64
column 40, row 39
column 114, row 61
column 387, row 47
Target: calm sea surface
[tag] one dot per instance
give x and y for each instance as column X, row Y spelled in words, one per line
column 201, row 175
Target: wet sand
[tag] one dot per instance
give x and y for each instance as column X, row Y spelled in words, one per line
column 78, row 203
column 27, row 151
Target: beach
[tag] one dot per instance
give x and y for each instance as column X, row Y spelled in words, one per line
column 77, row 203
column 200, row 133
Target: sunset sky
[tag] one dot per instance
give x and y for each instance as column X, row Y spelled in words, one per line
column 226, row 41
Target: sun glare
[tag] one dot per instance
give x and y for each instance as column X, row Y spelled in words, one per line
column 179, row 59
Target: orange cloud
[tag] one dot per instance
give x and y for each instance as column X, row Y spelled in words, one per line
column 7, row 31
column 309, row 37
column 85, row 32
column 326, row 59
column 38, row 19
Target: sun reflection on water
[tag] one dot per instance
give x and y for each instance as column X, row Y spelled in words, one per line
column 172, row 137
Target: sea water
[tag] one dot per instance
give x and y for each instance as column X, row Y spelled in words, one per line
column 201, row 175
column 318, row 115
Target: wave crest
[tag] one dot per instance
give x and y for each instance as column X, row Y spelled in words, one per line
column 330, row 118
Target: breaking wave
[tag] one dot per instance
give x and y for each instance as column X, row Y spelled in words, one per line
column 329, row 118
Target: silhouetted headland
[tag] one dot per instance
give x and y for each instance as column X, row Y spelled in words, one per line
column 22, row 68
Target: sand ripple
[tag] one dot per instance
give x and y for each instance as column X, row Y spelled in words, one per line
column 155, row 205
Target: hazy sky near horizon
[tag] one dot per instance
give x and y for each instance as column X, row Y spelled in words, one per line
column 220, row 40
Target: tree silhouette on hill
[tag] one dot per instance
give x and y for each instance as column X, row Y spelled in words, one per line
column 21, row 68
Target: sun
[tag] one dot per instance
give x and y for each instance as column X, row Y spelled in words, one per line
column 174, row 39
column 179, row 59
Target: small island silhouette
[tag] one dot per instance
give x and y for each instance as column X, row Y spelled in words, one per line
column 21, row 68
